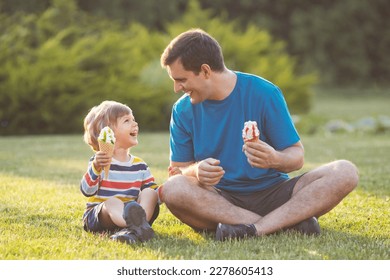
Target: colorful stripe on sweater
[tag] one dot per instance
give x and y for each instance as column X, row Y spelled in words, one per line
column 125, row 181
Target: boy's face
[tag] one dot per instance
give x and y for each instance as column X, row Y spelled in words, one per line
column 126, row 132
column 195, row 86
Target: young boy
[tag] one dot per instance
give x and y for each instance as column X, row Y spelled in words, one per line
column 125, row 200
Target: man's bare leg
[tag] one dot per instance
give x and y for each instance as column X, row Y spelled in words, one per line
column 316, row 193
column 201, row 207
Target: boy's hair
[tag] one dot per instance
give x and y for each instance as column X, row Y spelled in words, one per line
column 194, row 48
column 105, row 114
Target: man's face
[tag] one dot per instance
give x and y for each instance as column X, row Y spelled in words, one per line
column 195, row 86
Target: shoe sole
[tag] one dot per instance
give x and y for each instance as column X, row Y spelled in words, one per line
column 124, row 236
column 135, row 218
column 308, row 227
column 218, row 233
column 124, row 239
column 241, row 231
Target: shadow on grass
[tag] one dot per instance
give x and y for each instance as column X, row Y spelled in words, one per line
column 330, row 245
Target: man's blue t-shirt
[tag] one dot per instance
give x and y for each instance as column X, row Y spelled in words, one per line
column 214, row 129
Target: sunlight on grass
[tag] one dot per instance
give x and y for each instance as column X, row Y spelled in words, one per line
column 41, row 204
column 316, row 254
column 361, row 213
column 46, row 202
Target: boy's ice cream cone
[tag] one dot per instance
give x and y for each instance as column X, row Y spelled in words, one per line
column 250, row 133
column 106, row 142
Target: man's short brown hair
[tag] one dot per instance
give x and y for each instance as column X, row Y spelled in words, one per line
column 194, row 48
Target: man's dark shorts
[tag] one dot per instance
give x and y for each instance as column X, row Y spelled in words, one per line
column 264, row 201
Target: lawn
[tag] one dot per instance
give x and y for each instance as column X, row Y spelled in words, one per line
column 41, row 204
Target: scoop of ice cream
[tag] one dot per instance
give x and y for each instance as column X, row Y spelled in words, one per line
column 250, row 131
column 107, row 135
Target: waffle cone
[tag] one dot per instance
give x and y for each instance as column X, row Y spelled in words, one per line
column 108, row 148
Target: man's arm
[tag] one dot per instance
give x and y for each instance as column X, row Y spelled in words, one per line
column 262, row 155
column 208, row 171
column 184, row 168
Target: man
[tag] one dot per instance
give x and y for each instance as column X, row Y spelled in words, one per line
column 239, row 189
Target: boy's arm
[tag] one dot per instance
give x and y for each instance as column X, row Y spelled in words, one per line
column 89, row 184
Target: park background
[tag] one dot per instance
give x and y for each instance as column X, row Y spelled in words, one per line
column 59, row 58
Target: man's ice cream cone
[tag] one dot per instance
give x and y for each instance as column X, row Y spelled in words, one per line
column 106, row 142
column 250, row 132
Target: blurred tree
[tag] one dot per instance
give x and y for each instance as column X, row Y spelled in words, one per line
column 60, row 63
column 63, row 62
column 17, row 6
column 252, row 50
column 151, row 13
column 345, row 41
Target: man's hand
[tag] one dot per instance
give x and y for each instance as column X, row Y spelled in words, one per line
column 208, row 172
column 262, row 155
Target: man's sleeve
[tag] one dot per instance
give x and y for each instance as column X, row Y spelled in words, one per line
column 279, row 128
column 181, row 145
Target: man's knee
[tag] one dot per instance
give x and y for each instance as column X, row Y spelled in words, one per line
column 173, row 188
column 348, row 173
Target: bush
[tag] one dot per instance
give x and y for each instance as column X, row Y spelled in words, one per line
column 253, row 50
column 50, row 85
column 59, row 64
column 342, row 39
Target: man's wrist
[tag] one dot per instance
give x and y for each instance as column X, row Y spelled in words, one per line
column 191, row 170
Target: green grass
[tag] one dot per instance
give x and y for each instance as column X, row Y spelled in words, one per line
column 351, row 104
column 41, row 204
column 348, row 105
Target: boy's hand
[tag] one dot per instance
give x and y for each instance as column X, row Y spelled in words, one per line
column 173, row 170
column 101, row 159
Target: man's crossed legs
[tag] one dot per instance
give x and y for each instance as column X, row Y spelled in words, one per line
column 313, row 194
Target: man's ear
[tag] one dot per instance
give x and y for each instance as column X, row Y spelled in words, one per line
column 205, row 70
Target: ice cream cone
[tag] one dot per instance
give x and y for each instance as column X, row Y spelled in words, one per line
column 108, row 148
column 106, row 142
column 250, row 133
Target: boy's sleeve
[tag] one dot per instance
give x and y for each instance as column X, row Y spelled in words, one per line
column 89, row 184
column 148, row 179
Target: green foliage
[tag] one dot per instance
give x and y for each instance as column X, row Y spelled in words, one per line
column 344, row 41
column 60, row 63
column 150, row 13
column 64, row 62
column 30, row 6
column 252, row 50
